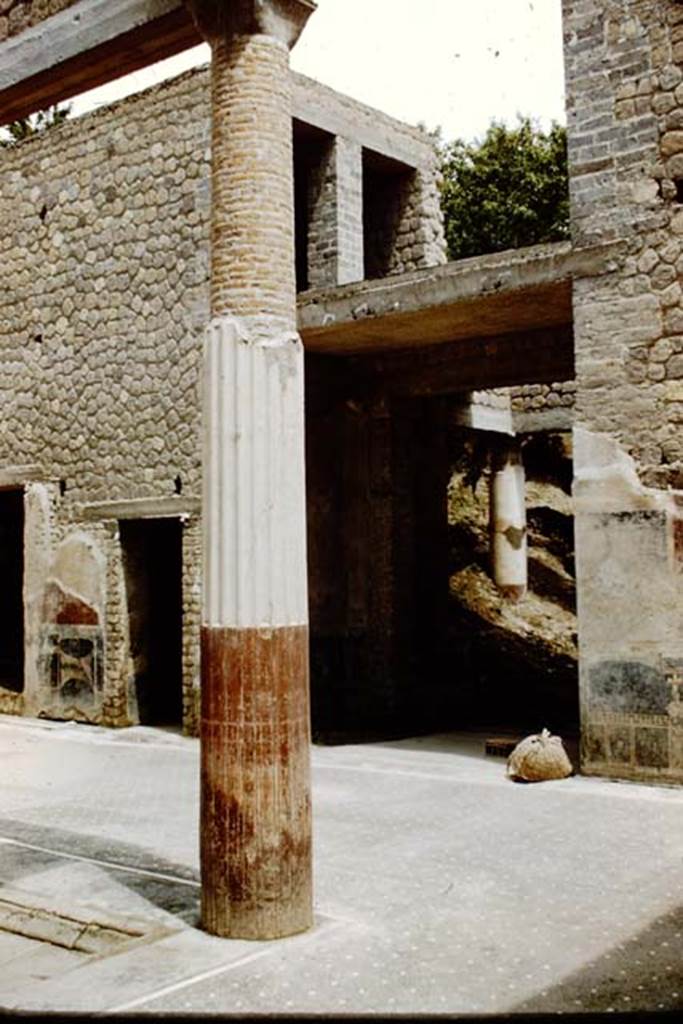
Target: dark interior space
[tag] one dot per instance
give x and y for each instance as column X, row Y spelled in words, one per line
column 378, row 559
column 514, row 665
column 313, row 150
column 408, row 632
column 152, row 557
column 11, row 590
column 386, row 189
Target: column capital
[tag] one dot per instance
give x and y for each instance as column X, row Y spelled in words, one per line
column 282, row 19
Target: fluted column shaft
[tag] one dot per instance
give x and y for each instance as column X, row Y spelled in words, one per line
column 255, row 731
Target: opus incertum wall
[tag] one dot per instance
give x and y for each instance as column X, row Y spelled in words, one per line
column 624, row 65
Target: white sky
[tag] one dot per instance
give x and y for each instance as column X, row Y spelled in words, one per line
column 449, row 63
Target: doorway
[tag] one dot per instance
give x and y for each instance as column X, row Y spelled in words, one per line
column 152, row 560
column 11, row 591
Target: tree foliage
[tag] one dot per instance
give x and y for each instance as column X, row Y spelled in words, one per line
column 22, row 129
column 507, row 191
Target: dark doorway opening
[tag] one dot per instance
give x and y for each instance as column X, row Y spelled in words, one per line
column 11, row 590
column 152, row 559
column 387, row 185
column 409, row 633
column 313, row 180
column 514, row 664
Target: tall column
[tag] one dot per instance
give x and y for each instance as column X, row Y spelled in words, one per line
column 507, row 517
column 254, row 730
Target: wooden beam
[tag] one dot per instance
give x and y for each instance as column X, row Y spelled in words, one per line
column 134, row 49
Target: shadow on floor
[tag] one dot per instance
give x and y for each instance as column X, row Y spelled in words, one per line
column 644, row 974
column 172, row 894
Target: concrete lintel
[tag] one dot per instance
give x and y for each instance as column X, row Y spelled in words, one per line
column 322, row 107
column 517, row 290
column 141, row 508
column 17, row 476
column 85, row 45
column 483, row 418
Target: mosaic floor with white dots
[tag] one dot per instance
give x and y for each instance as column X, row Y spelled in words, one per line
column 440, row 887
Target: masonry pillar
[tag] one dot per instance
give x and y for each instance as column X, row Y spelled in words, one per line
column 255, row 730
column 335, row 212
column 507, row 517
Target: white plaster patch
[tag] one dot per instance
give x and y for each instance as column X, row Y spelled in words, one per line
column 79, row 567
column 37, row 559
column 606, row 479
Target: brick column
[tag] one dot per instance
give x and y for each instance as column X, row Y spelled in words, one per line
column 254, row 729
column 507, row 517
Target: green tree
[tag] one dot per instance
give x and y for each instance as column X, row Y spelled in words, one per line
column 22, row 129
column 506, row 191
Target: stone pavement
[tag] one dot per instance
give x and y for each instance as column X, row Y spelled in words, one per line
column 440, row 886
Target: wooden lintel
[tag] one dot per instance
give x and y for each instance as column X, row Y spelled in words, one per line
column 543, row 356
column 508, row 360
column 163, row 37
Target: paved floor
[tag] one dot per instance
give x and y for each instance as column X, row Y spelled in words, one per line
column 440, row 886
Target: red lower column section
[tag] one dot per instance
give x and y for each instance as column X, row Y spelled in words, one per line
column 255, row 782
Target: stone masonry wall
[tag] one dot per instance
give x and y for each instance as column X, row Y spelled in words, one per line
column 543, row 406
column 625, row 96
column 16, row 15
column 624, row 67
column 104, row 263
column 402, row 223
column 335, row 215
column 104, row 259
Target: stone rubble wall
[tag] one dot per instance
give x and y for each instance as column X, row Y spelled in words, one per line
column 17, row 15
column 407, row 229
column 419, row 237
column 104, row 258
column 625, row 94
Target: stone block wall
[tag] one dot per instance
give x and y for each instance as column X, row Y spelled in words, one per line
column 104, row 258
column 624, row 67
column 543, row 406
column 17, row 15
